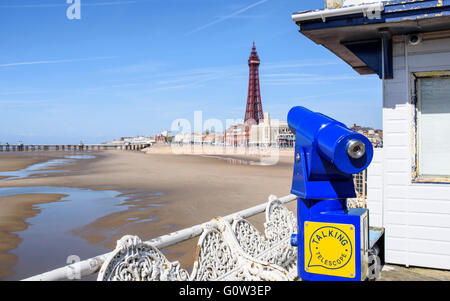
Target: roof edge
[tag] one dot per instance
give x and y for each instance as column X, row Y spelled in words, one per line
column 337, row 12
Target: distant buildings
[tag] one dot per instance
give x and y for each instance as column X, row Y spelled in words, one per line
column 237, row 135
column 213, row 139
column 268, row 133
column 271, row 133
column 160, row 139
column 164, row 137
column 183, row 138
column 132, row 140
column 375, row 136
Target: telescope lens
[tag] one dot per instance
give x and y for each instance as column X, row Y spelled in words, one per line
column 356, row 149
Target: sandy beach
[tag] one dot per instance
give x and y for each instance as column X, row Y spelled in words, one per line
column 166, row 192
column 15, row 161
column 15, row 210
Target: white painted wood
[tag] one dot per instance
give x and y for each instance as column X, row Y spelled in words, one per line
column 416, row 215
column 427, row 47
column 432, row 260
column 374, row 189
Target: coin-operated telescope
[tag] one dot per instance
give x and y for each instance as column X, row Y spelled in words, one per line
column 332, row 240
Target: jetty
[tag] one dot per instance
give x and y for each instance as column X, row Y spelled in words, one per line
column 72, row 147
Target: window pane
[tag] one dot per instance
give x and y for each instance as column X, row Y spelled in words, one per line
column 434, row 126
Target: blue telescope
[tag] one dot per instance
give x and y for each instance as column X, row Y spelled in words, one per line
column 327, row 154
column 332, row 240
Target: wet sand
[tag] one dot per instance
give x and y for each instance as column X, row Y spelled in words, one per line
column 12, row 161
column 14, row 211
column 170, row 192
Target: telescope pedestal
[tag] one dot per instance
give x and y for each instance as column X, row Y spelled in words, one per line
column 332, row 241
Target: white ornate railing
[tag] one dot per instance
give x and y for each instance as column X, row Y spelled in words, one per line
column 229, row 248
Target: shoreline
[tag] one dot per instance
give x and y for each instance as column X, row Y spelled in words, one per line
column 14, row 161
column 16, row 209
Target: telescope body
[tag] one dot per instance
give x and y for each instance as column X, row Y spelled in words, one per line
column 332, row 240
column 326, row 153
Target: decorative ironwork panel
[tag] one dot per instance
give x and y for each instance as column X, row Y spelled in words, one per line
column 134, row 260
column 220, row 257
column 275, row 246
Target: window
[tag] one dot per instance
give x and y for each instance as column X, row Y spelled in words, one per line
column 432, row 132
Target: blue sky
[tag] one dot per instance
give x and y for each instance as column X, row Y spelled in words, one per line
column 132, row 67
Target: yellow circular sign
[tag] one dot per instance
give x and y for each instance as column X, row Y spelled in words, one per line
column 330, row 248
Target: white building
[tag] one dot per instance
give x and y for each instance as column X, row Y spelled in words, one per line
column 183, row 138
column 408, row 45
column 271, row 133
column 188, row 138
column 166, row 133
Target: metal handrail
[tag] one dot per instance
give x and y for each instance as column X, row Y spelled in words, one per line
column 91, row 266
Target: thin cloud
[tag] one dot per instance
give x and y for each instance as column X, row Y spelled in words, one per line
column 57, row 61
column 303, row 63
column 143, row 67
column 246, row 17
column 23, row 92
column 316, row 96
column 283, row 75
column 126, row 85
column 24, row 103
column 310, row 80
column 67, row 4
column 194, row 78
column 170, row 77
column 224, row 18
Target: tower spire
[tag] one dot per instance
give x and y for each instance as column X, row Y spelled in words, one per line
column 254, row 111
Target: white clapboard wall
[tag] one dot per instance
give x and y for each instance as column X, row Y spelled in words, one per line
column 375, row 189
column 416, row 216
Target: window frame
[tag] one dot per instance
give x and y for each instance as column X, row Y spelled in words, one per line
column 416, row 176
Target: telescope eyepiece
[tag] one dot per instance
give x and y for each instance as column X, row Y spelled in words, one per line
column 356, row 149
column 325, row 139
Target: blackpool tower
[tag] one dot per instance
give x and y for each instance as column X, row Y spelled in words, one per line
column 254, row 110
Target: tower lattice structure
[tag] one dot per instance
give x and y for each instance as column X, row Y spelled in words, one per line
column 254, row 111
